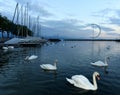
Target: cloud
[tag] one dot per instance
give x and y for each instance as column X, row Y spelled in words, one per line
column 67, row 28
column 64, row 23
column 38, row 10
column 114, row 21
column 22, row 1
column 110, row 21
column 72, row 28
column 103, row 13
column 110, row 16
column 107, row 29
column 56, row 33
column 36, row 7
column 7, row 8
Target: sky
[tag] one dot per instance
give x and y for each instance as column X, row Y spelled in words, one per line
column 71, row 18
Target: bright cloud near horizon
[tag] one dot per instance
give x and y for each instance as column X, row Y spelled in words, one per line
column 71, row 18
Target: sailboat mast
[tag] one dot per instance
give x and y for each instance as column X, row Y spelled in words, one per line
column 27, row 18
column 15, row 12
column 22, row 20
column 37, row 26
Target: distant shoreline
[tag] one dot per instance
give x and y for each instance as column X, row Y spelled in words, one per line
column 92, row 40
column 2, row 40
column 81, row 39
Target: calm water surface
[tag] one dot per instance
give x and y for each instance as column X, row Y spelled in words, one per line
column 20, row 77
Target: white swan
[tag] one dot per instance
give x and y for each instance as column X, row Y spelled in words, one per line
column 5, row 48
column 81, row 81
column 10, row 47
column 100, row 63
column 31, row 57
column 49, row 66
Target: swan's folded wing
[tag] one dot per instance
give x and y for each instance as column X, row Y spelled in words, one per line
column 70, row 81
column 44, row 66
column 47, row 66
column 33, row 57
column 82, row 81
column 98, row 63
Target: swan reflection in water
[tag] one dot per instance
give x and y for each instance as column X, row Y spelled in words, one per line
column 105, row 70
column 53, row 72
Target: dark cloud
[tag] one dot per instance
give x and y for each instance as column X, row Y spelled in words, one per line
column 114, row 21
column 107, row 29
column 53, row 32
column 68, row 24
column 69, row 28
column 113, row 34
column 35, row 7
column 39, row 10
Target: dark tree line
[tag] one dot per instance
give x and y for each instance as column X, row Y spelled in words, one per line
column 15, row 29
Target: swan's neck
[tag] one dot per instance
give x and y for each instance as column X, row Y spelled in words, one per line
column 105, row 60
column 27, row 58
column 55, row 64
column 94, row 82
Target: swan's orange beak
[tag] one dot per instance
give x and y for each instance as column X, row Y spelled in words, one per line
column 98, row 77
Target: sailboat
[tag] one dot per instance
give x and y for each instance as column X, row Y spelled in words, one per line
column 14, row 40
column 33, row 40
column 28, row 40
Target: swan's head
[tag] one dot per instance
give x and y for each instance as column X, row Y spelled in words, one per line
column 97, row 75
column 56, row 61
column 108, row 58
column 26, row 57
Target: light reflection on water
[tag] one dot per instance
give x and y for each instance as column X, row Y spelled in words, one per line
column 20, row 77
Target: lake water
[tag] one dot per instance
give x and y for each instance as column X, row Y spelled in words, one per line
column 20, row 77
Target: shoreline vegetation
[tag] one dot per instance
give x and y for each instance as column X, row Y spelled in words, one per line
column 10, row 27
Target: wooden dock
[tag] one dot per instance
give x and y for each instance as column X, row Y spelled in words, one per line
column 22, row 43
column 33, row 43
